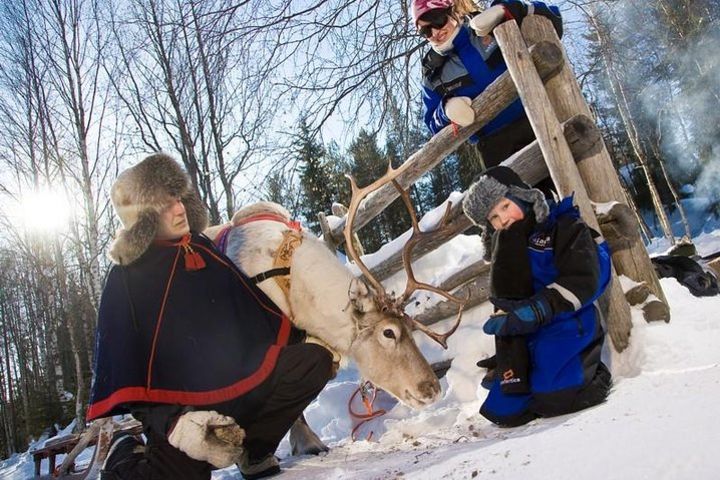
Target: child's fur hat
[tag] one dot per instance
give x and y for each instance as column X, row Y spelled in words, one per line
column 489, row 188
column 139, row 196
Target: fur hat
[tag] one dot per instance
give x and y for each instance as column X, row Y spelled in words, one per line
column 140, row 194
column 489, row 188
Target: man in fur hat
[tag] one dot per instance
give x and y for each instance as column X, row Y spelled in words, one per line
column 548, row 270
column 207, row 363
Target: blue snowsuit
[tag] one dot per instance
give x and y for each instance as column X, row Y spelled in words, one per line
column 570, row 265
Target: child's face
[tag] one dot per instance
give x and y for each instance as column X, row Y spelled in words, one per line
column 504, row 213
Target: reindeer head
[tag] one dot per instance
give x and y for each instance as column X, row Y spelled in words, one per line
column 385, row 351
column 383, row 347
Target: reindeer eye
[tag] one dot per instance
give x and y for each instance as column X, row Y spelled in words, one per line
column 388, row 333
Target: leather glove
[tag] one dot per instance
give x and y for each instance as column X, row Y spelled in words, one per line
column 518, row 317
column 208, row 436
column 459, row 110
column 484, row 22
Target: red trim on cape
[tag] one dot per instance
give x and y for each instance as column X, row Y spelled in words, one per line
column 142, row 394
column 148, row 394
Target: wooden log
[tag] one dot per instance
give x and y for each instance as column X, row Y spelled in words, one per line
column 715, row 266
column 638, row 294
column 327, row 233
column 656, row 311
column 493, row 100
column 582, row 136
column 440, row 368
column 340, row 210
column 476, row 291
column 558, row 157
column 619, row 227
column 481, row 267
column 598, row 173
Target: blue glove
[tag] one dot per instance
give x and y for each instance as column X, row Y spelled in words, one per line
column 518, row 317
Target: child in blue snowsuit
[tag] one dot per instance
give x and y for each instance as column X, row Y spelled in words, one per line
column 548, row 270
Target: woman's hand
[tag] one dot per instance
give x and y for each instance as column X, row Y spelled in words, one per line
column 459, row 110
column 484, row 22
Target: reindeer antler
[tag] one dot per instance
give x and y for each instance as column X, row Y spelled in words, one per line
column 417, row 237
column 358, row 195
column 396, row 306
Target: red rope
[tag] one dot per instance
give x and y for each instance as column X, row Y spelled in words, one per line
column 368, row 393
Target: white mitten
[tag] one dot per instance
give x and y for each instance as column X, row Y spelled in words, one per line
column 209, row 437
column 484, row 22
column 459, row 110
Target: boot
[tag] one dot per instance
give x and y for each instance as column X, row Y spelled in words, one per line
column 490, row 364
column 266, row 466
column 125, row 452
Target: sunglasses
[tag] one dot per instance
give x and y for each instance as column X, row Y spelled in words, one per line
column 436, row 20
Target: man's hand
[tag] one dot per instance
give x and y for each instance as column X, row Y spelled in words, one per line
column 208, row 436
column 518, row 317
column 459, row 110
column 484, row 22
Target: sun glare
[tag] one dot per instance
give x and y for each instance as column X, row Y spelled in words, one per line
column 45, row 211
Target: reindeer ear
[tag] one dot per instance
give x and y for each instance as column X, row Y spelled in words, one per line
column 361, row 296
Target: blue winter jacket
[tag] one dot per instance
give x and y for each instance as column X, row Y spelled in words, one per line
column 466, row 71
column 571, row 265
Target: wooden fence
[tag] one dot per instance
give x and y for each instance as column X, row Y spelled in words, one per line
column 568, row 148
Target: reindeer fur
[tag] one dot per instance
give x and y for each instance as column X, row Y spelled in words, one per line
column 329, row 303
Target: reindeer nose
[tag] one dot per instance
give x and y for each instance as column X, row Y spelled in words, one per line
column 429, row 388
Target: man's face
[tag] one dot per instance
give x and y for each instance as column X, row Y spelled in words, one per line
column 505, row 213
column 173, row 221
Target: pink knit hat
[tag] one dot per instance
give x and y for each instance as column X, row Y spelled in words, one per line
column 420, row 7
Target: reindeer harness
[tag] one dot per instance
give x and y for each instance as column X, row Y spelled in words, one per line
column 292, row 239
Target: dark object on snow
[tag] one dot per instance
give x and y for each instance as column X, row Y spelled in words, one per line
column 688, row 272
column 490, row 364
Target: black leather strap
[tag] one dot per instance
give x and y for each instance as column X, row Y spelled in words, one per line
column 261, row 277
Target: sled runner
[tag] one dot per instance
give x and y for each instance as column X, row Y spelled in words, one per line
column 99, row 434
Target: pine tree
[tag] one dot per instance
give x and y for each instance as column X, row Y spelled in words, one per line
column 311, row 157
column 369, row 164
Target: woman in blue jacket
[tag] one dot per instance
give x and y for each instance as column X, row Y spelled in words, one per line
column 548, row 271
column 463, row 60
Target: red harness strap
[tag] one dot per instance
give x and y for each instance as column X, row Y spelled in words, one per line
column 292, row 224
column 221, row 239
column 368, row 392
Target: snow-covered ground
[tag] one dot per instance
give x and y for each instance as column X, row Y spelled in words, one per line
column 662, row 419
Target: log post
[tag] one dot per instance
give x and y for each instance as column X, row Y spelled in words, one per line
column 328, row 238
column 340, row 210
column 597, row 172
column 558, row 157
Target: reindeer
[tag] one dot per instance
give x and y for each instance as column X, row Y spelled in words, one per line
column 321, row 296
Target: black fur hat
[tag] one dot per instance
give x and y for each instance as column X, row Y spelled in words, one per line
column 489, row 188
column 140, row 194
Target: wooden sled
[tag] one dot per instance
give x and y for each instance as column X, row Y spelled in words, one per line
column 99, row 433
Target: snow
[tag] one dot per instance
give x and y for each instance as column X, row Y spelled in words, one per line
column 661, row 420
